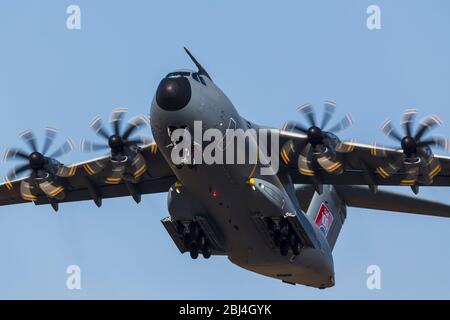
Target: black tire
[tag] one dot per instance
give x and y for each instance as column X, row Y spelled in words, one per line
column 206, row 250
column 193, row 250
column 295, row 243
column 284, row 247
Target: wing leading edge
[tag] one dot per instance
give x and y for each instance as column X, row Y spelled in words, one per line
column 361, row 165
column 84, row 184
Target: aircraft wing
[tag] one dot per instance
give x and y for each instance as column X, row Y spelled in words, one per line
column 362, row 197
column 81, row 183
column 359, row 164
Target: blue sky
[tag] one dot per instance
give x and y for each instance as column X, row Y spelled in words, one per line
column 268, row 57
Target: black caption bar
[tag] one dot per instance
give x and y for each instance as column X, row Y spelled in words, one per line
column 226, row 309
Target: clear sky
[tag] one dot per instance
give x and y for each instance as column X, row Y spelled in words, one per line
column 268, row 57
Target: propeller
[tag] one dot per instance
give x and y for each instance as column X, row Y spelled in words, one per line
column 44, row 169
column 417, row 159
column 321, row 146
column 126, row 159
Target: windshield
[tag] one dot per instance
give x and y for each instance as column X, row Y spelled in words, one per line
column 198, row 78
column 178, row 74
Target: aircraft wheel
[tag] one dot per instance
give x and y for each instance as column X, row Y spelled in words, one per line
column 294, row 244
column 284, row 247
column 296, row 248
column 206, row 250
column 193, row 250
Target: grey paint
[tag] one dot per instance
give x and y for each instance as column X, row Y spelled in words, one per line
column 238, row 209
column 236, row 204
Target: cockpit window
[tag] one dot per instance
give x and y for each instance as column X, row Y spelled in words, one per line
column 198, row 78
column 195, row 77
column 178, row 74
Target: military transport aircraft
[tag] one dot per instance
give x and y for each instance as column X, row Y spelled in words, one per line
column 283, row 225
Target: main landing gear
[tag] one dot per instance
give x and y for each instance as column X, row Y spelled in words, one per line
column 195, row 240
column 284, row 236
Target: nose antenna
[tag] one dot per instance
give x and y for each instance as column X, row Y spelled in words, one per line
column 201, row 70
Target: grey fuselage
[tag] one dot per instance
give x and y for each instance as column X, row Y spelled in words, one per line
column 220, row 191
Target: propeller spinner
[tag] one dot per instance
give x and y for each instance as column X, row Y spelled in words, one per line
column 417, row 159
column 321, row 146
column 126, row 160
column 44, row 170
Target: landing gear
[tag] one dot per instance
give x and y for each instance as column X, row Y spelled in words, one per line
column 284, row 237
column 284, row 247
column 186, row 238
column 295, row 244
column 195, row 232
column 206, row 250
column 193, row 250
column 277, row 236
column 195, row 240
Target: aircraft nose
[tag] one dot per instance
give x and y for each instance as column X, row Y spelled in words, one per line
column 173, row 93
